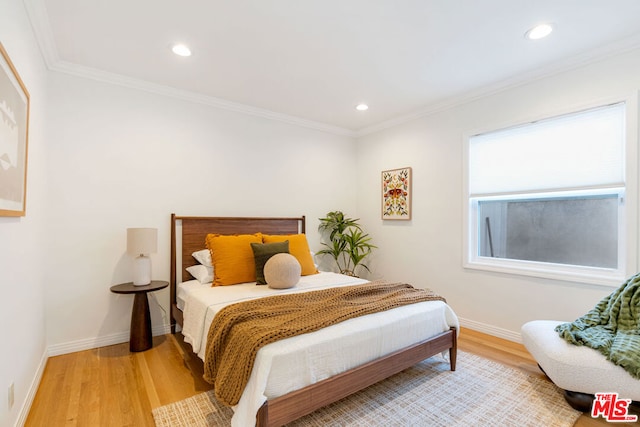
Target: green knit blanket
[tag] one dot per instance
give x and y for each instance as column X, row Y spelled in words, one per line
column 612, row 327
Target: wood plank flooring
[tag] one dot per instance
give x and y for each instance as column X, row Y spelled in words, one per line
column 112, row 387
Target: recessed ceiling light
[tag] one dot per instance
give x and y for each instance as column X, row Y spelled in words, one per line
column 539, row 31
column 362, row 107
column 182, row 50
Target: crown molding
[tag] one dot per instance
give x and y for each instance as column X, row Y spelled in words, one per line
column 595, row 55
column 36, row 10
column 158, row 89
column 37, row 13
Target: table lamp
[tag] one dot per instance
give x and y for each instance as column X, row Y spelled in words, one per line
column 140, row 243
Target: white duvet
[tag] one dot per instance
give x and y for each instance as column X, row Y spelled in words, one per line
column 293, row 363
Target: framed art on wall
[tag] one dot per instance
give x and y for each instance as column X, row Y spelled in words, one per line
column 396, row 194
column 14, row 136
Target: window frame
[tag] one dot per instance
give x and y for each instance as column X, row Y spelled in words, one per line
column 627, row 214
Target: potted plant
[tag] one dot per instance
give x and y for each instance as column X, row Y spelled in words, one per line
column 348, row 244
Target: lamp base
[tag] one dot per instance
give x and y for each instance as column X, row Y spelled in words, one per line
column 141, row 271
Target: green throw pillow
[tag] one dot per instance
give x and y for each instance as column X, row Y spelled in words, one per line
column 261, row 254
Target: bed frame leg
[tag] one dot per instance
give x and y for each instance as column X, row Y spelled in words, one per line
column 262, row 417
column 453, row 351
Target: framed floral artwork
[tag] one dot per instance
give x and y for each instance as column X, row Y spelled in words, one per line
column 396, row 194
column 14, row 130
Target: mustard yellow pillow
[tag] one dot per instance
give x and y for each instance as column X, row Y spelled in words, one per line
column 298, row 247
column 232, row 258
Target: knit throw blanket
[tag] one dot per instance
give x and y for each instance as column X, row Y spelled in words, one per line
column 239, row 330
column 612, row 327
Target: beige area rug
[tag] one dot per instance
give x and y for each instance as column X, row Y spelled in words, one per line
column 479, row 393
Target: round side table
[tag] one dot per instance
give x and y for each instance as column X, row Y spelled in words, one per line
column 140, row 338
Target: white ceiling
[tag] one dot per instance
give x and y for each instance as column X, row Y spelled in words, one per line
column 313, row 61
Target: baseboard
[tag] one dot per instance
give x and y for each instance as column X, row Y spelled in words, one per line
column 120, row 337
column 31, row 393
column 491, row 330
column 103, row 341
column 161, row 330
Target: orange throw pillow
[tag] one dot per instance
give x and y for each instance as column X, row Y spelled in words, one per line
column 298, row 247
column 232, row 258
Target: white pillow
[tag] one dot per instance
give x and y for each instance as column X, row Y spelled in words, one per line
column 202, row 273
column 203, row 257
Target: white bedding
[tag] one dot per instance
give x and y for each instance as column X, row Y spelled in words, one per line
column 184, row 288
column 295, row 362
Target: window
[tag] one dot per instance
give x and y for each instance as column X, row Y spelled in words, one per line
column 548, row 198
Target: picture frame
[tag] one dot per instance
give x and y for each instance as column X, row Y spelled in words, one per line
column 14, row 138
column 396, row 194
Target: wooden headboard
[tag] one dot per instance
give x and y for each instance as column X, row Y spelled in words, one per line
column 193, row 231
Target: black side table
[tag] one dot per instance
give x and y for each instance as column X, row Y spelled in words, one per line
column 140, row 336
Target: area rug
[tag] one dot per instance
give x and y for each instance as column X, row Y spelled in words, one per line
column 479, row 393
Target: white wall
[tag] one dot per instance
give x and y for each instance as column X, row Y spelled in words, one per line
column 428, row 250
column 22, row 242
column 103, row 158
column 126, row 158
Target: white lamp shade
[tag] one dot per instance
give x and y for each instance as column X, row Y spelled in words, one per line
column 142, row 241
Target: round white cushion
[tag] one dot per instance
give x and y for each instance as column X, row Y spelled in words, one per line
column 282, row 271
column 576, row 368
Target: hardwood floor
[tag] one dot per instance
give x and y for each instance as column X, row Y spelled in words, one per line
column 110, row 386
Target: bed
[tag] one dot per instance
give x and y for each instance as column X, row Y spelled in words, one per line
column 275, row 396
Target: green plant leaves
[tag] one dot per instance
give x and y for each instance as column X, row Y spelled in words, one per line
column 348, row 244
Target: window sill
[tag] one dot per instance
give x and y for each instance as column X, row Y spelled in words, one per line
column 607, row 278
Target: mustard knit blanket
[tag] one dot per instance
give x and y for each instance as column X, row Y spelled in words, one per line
column 239, row 330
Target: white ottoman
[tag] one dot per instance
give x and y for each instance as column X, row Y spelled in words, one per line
column 576, row 369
